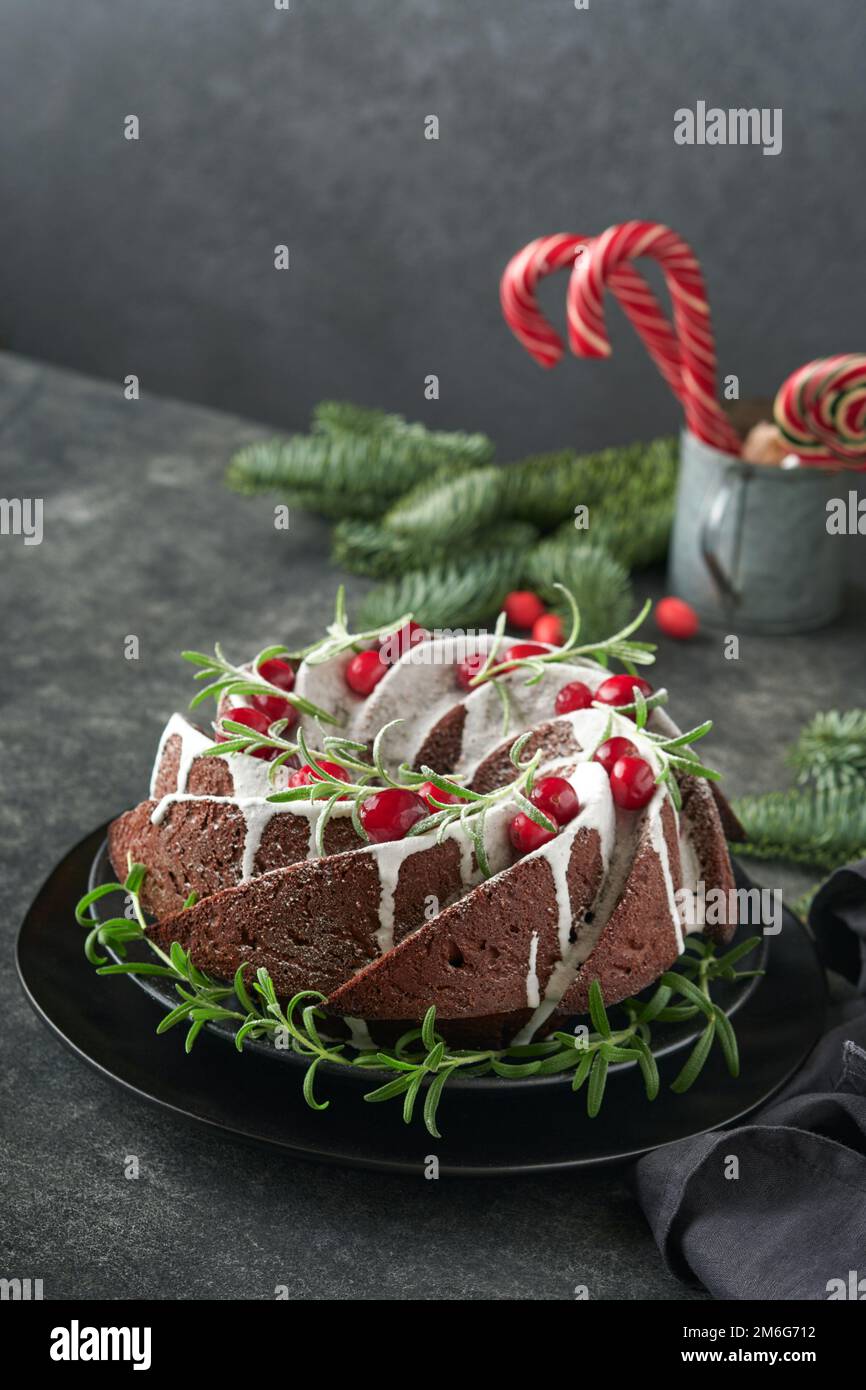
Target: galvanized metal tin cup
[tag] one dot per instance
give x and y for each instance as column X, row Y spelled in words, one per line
column 750, row 549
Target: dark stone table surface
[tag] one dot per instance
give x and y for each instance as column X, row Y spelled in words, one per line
column 140, row 538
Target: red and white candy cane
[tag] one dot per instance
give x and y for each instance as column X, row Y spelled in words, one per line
column 544, row 256
column 821, row 411
column 605, row 258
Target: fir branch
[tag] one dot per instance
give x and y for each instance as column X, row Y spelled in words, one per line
column 421, row 1056
column 819, row 829
column 831, row 751
column 636, row 535
column 461, row 506
column 598, row 581
column 445, row 596
column 546, row 489
column 363, row 547
column 383, row 464
column 344, row 417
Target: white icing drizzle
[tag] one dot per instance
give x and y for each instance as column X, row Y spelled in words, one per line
column 532, row 992
column 660, row 845
column 390, row 858
column 192, row 744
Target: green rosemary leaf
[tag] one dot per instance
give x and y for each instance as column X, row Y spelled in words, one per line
column 428, row 1028
column 391, row 1088
column 309, row 1083
column 597, row 1083
column 743, row 948
column 648, row 1067
column 728, row 1040
column 697, row 1057
column 690, row 990
column 597, row 1012
column 431, row 1100
column 583, row 1069
column 411, row 1096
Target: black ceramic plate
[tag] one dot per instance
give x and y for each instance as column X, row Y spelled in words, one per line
column 666, row 1039
column 490, row 1128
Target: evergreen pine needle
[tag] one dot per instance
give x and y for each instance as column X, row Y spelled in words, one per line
column 386, row 464
column 819, row 829
column 636, row 538
column 365, row 547
column 453, row 508
column 447, row 596
column 831, row 751
column 600, row 584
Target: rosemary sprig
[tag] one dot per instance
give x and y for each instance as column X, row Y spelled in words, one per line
column 421, row 1055
column 225, row 678
column 617, row 648
column 340, row 639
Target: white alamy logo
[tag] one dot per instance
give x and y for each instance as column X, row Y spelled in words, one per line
column 739, row 125
column 755, row 907
column 846, row 516
column 22, row 516
column 77, row 1343
column 853, row 1287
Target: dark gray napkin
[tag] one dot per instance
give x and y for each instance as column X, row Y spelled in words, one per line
column 792, row 1224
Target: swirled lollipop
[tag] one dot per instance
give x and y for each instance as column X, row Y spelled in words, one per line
column 821, row 411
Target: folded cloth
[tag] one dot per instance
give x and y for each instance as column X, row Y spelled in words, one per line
column 792, row 1222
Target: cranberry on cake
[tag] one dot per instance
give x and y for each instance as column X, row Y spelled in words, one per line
column 397, row 819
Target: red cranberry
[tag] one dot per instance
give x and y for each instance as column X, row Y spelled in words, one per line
column 390, row 814
column 468, row 668
column 526, row 835
column 611, row 750
column 277, row 673
column 303, row 776
column 619, row 690
column 548, row 628
column 255, row 721
column 429, row 790
column 555, row 798
column 676, row 618
column 365, row 671
column 573, row 696
column 520, row 650
column 522, row 607
column 397, row 644
column 632, row 783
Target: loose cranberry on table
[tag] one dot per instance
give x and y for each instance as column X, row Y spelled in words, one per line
column 632, row 783
column 611, row 751
column 548, row 628
column 573, row 696
column 676, row 618
column 619, row 690
column 390, row 814
column 396, row 644
column 556, row 799
column 526, row 835
column 256, row 722
column 522, row 607
column 430, row 791
column 365, row 671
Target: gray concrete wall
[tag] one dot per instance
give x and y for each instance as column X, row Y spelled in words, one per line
column 307, row 127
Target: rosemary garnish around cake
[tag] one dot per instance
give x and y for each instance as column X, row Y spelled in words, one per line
column 421, row 1057
column 224, row 679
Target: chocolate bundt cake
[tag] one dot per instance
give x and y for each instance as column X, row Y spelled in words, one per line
column 406, row 820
